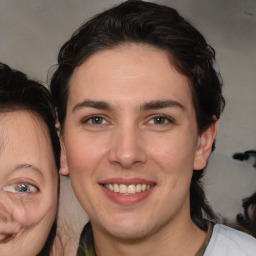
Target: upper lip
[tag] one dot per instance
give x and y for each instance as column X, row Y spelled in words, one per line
column 127, row 181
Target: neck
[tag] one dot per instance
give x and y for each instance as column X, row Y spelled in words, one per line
column 181, row 239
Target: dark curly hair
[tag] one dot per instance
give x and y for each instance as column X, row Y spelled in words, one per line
column 161, row 27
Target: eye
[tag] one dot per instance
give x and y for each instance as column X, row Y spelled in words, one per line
column 160, row 120
column 95, row 120
column 20, row 188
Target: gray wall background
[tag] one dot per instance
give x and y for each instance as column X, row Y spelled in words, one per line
column 32, row 31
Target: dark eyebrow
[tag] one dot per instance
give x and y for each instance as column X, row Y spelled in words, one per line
column 158, row 104
column 92, row 104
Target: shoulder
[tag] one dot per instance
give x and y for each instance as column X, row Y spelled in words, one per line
column 226, row 241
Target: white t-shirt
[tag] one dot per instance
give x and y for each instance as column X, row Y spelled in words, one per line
column 226, row 241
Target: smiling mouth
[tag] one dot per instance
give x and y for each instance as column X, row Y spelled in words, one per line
column 130, row 189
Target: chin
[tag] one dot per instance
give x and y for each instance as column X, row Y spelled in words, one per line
column 129, row 230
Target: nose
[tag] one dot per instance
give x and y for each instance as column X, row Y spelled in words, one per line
column 127, row 147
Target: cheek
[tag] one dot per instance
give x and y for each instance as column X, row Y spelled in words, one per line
column 173, row 153
column 175, row 158
column 27, row 217
column 84, row 155
column 30, row 213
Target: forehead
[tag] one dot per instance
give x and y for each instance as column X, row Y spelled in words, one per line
column 128, row 73
column 24, row 139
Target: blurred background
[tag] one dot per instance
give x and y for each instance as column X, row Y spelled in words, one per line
column 32, row 32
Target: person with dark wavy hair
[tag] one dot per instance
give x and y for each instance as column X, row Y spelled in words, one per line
column 29, row 153
column 138, row 100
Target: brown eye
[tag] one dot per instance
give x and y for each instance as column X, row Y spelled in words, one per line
column 95, row 120
column 160, row 120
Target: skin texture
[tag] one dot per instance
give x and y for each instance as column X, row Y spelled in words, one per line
column 26, row 158
column 144, row 131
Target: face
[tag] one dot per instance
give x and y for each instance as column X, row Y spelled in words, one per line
column 28, row 182
column 130, row 141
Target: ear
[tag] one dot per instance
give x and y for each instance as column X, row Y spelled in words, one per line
column 63, row 159
column 204, row 146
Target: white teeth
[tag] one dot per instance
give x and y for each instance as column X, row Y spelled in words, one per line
column 123, row 189
column 138, row 188
column 131, row 189
column 127, row 189
column 116, row 188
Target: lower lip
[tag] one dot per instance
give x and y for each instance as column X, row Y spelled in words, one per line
column 127, row 199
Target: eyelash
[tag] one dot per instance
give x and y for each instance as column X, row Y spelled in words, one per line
column 89, row 120
column 13, row 188
column 166, row 118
